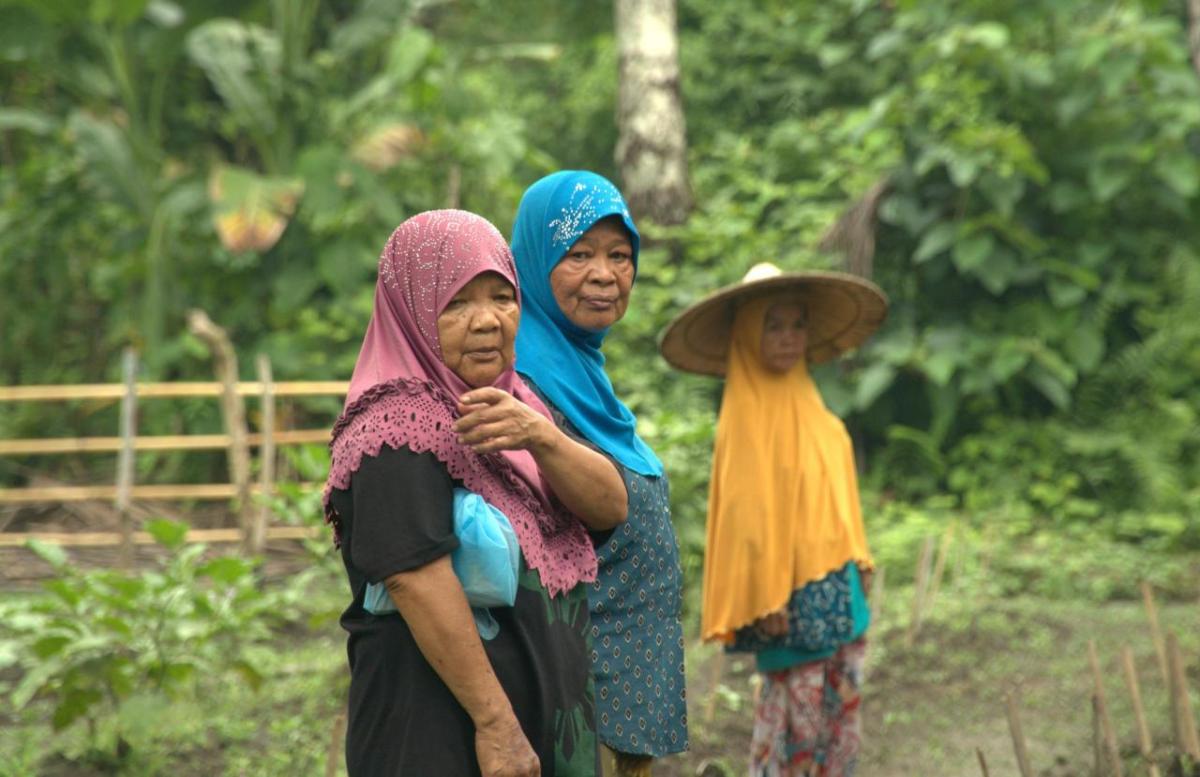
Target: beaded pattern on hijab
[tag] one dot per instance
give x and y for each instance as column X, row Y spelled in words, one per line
column 587, row 201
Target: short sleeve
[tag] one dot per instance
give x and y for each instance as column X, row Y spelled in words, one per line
column 403, row 513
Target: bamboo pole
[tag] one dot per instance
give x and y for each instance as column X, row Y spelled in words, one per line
column 163, row 442
column 1112, row 753
column 919, row 589
column 1098, row 759
column 102, row 539
column 128, row 426
column 266, row 457
column 233, row 409
column 173, row 390
column 1145, row 743
column 1156, row 632
column 1018, row 736
column 164, row 491
column 1181, row 706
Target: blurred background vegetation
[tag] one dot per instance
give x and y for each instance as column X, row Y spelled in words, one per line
column 1029, row 172
column 1032, row 171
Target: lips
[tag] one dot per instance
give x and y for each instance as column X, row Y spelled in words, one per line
column 600, row 302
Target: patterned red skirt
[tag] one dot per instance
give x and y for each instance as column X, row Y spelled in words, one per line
column 806, row 723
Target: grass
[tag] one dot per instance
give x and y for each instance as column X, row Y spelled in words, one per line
column 927, row 706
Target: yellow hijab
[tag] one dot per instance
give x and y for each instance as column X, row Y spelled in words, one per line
column 783, row 505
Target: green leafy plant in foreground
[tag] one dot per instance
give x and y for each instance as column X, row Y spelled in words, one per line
column 95, row 640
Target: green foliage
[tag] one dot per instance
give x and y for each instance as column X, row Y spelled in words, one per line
column 96, row 640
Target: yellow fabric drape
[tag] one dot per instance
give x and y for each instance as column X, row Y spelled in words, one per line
column 783, row 506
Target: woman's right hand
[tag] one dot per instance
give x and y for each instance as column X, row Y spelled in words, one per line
column 503, row 750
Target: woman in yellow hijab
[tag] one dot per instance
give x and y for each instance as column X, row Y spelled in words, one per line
column 786, row 552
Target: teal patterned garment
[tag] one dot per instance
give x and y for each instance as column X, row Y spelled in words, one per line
column 637, row 637
column 822, row 616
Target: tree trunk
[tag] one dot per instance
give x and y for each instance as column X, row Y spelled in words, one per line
column 652, row 146
column 1194, row 33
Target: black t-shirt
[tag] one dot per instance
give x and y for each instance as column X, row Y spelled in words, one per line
column 397, row 516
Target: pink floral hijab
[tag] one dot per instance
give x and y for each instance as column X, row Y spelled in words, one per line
column 403, row 395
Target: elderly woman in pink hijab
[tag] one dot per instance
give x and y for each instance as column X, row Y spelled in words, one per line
column 434, row 406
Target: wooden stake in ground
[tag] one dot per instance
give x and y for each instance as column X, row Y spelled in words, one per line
column 716, row 670
column 982, row 762
column 939, row 569
column 1098, row 759
column 232, row 409
column 334, row 758
column 125, row 457
column 919, row 589
column 1145, row 744
column 1156, row 633
column 266, row 457
column 1112, row 753
column 1181, row 705
column 1018, row 735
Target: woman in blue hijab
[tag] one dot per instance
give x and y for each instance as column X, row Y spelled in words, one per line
column 576, row 249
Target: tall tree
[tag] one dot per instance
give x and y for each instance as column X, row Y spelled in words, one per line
column 652, row 147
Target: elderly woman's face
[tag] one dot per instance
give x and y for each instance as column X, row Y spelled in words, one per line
column 477, row 328
column 784, row 337
column 591, row 284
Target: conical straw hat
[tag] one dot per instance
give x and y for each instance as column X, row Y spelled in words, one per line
column 843, row 311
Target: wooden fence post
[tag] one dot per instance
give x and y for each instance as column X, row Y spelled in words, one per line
column 125, row 458
column 233, row 409
column 1181, row 706
column 266, row 456
column 1112, row 752
column 1156, row 633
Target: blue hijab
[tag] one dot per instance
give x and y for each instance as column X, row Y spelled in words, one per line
column 562, row 359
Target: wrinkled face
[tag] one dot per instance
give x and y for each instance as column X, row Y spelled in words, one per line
column 784, row 337
column 592, row 281
column 477, row 328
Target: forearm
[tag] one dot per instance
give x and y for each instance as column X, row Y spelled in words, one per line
column 432, row 603
column 583, row 480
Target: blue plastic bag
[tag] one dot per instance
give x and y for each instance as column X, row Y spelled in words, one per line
column 486, row 562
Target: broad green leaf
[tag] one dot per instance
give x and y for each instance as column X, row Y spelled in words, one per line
column 50, row 645
column 1180, row 172
column 109, row 163
column 26, row 120
column 250, row 210
column 74, row 705
column 52, row 554
column 998, row 271
column 874, row 381
column 1108, row 178
column 170, row 534
column 226, row 569
column 1007, row 361
column 1085, row 346
column 935, row 241
column 1049, row 385
column 242, row 61
column 940, row 366
column 971, row 253
column 1063, row 293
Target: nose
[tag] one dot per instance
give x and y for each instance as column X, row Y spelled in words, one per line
column 601, row 271
column 484, row 319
